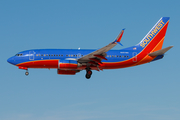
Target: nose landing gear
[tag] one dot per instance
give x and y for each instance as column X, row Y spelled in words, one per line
column 26, row 73
column 24, row 68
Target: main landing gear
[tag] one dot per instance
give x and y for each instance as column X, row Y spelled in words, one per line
column 88, row 73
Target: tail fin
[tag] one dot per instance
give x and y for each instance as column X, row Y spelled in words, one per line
column 155, row 37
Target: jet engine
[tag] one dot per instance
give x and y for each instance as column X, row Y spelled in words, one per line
column 68, row 65
column 66, row 72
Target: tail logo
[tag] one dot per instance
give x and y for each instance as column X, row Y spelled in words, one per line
column 152, row 33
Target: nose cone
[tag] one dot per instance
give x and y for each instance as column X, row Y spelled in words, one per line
column 11, row 60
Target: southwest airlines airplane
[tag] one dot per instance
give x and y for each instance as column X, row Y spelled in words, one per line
column 72, row 61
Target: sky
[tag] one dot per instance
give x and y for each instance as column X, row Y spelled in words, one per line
column 145, row 92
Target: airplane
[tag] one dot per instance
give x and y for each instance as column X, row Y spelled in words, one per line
column 72, row 61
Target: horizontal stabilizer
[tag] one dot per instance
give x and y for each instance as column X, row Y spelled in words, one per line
column 160, row 52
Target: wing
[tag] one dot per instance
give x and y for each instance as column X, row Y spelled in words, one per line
column 96, row 56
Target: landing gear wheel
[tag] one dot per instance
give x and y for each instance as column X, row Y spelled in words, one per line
column 26, row 73
column 88, row 74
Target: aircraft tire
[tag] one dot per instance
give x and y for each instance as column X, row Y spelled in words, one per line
column 88, row 76
column 26, row 73
column 89, row 72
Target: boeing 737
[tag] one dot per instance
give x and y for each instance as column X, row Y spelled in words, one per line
column 72, row 61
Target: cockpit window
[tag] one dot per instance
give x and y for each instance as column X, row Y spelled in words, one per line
column 18, row 54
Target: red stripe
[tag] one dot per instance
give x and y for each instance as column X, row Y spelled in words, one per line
column 40, row 64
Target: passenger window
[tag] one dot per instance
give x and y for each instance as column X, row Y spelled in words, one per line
column 61, row 55
column 36, row 54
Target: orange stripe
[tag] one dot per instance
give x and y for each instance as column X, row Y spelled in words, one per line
column 148, row 58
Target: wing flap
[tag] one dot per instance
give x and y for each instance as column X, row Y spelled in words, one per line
column 95, row 60
column 100, row 56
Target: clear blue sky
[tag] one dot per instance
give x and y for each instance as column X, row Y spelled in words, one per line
column 146, row 92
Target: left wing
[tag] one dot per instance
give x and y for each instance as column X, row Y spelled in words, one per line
column 96, row 56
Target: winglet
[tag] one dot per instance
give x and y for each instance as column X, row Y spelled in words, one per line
column 118, row 39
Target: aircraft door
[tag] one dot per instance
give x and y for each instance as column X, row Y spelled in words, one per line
column 31, row 55
column 134, row 56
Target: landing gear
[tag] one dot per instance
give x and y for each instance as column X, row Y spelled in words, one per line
column 88, row 73
column 26, row 73
column 24, row 68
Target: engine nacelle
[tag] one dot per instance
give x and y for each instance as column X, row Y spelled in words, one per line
column 68, row 65
column 66, row 72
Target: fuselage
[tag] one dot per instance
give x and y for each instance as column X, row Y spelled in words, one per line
column 50, row 58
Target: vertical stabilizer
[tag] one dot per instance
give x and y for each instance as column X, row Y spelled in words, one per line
column 155, row 37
